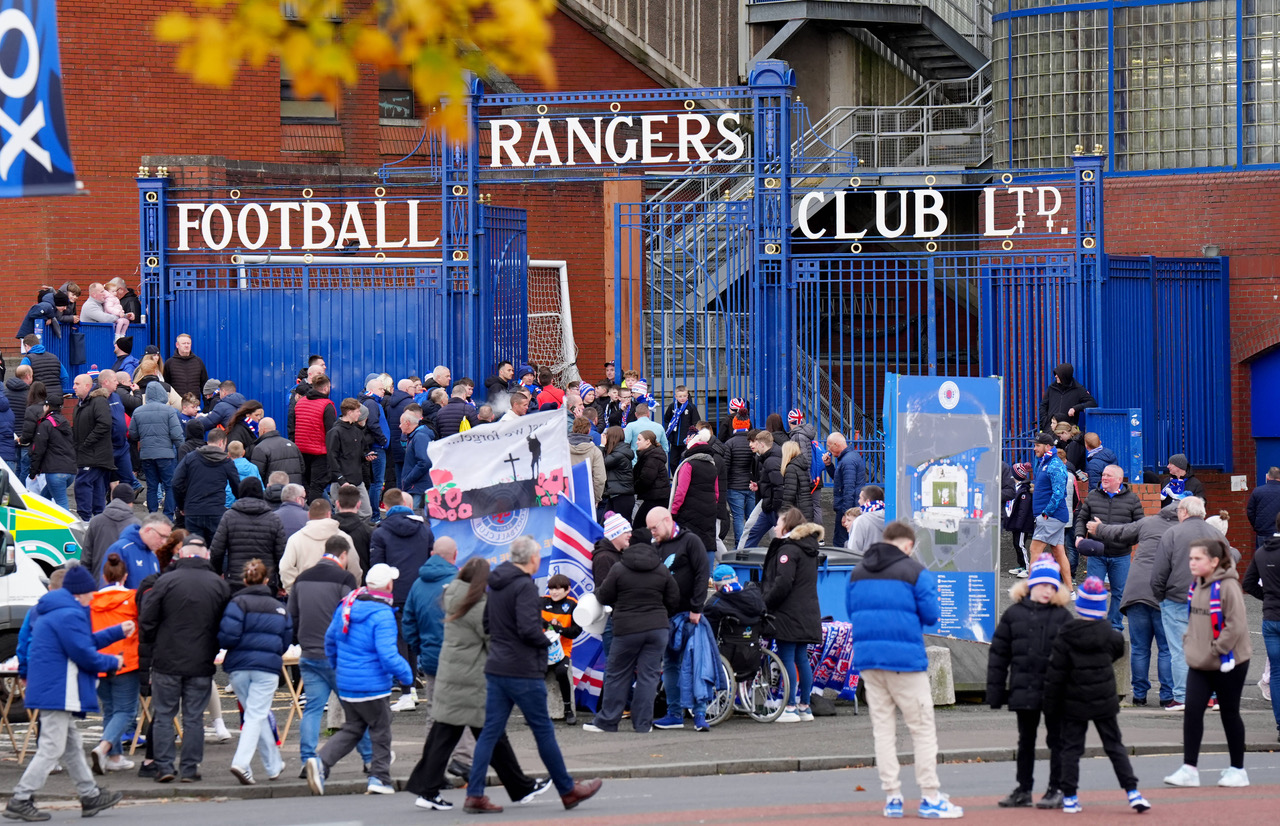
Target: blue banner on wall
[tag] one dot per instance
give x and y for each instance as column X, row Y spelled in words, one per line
column 35, row 155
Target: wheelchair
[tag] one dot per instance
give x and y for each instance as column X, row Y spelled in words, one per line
column 759, row 684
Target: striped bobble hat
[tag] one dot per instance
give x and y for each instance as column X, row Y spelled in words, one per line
column 1021, row 471
column 1045, row 571
column 795, row 417
column 1091, row 599
column 615, row 525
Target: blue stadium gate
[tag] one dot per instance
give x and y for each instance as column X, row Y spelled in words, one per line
column 765, row 261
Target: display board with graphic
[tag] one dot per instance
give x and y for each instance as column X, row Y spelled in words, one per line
column 942, row 445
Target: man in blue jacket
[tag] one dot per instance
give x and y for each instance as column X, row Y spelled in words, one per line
column 891, row 599
column 1049, row 504
column 415, row 479
column 361, row 648
column 848, row 475
column 137, row 548
column 1096, row 458
column 62, row 683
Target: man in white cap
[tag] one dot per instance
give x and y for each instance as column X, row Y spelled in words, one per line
column 361, row 647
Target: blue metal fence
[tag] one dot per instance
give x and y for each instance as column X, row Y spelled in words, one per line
column 99, row 345
column 1165, row 344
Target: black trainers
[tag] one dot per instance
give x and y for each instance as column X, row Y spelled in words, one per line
column 92, row 804
column 1017, row 799
column 1139, row 701
column 24, row 810
column 1052, row 800
column 148, row 769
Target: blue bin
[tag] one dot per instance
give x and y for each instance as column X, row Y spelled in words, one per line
column 834, row 567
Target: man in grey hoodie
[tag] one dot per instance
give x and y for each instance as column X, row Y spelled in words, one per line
column 156, row 429
column 105, row 528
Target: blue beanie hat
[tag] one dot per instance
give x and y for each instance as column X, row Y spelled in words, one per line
column 1045, row 571
column 1091, row 599
column 78, row 581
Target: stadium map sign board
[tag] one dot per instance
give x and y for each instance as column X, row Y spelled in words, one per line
column 943, row 448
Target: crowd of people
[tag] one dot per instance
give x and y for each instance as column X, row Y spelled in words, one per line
column 257, row 539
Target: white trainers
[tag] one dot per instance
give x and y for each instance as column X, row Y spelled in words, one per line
column 407, row 702
column 788, row 715
column 1186, row 776
column 119, row 763
column 1234, row 778
column 806, row 714
column 1018, row 572
column 220, row 732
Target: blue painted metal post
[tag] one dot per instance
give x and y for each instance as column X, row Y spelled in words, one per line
column 153, row 239
column 1089, row 256
column 773, row 339
column 460, row 247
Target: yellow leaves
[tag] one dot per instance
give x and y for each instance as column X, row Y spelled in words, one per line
column 440, row 41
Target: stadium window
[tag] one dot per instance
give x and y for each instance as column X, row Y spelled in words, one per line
column 395, row 97
column 304, row 110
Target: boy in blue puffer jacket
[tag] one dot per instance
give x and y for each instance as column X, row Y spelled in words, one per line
column 62, row 683
column 361, row 647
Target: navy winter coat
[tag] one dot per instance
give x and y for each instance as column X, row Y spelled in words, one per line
column 394, row 403
column 403, row 540
column 256, row 629
column 891, row 599
column 8, row 447
column 201, row 480
column 63, row 664
column 416, row 477
column 223, row 411
column 848, row 476
column 423, row 616
column 1095, row 461
column 1264, row 505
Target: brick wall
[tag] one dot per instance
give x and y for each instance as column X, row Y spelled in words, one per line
column 1175, row 215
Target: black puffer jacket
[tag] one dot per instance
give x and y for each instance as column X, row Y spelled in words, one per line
column 720, row 453
column 180, row 618
column 361, row 532
column 618, row 477
column 91, row 432
column 186, row 374
column 52, row 450
column 641, row 590
column 513, row 618
column 451, row 416
column 1262, row 580
column 741, row 461
column 1059, row 398
column 603, row 557
column 652, row 481
column 274, row 452
column 249, row 530
column 1080, row 683
column 769, row 479
column 695, row 485
column 1020, row 653
column 1123, row 508
column 790, row 584
column 796, row 486
column 689, row 567
column 15, row 390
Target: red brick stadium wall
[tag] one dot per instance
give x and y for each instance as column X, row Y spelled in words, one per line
column 1176, row 215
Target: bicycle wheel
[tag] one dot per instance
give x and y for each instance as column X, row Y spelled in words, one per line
column 721, row 706
column 765, row 695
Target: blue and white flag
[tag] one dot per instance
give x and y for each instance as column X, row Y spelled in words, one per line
column 35, row 155
column 571, row 551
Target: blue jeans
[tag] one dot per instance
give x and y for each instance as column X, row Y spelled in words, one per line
column 255, row 690
column 1173, row 613
column 91, row 492
column 24, row 462
column 159, row 473
column 1115, row 570
column 767, row 521
column 203, row 526
column 379, row 469
column 1271, row 638
column 319, row 681
column 530, row 694
column 56, row 487
column 740, row 504
column 795, row 658
column 118, row 698
column 124, row 469
column 1145, row 627
column 671, row 685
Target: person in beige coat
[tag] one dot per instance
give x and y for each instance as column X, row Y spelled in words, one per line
column 304, row 548
column 1217, row 649
column 582, row 449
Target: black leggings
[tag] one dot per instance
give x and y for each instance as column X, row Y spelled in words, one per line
column 1028, row 733
column 1201, row 685
column 561, row 670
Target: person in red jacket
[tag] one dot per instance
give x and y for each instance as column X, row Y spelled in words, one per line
column 310, row 422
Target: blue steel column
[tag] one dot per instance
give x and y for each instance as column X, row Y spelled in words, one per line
column 773, row 324
column 460, row 247
column 1089, row 259
column 484, row 270
column 153, row 232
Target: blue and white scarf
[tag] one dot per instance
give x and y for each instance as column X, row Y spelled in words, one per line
column 869, row 507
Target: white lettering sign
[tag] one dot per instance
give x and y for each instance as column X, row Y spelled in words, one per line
column 310, row 225
column 590, row 141
column 930, row 221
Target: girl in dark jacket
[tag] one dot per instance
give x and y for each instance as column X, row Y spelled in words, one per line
column 255, row 631
column 796, row 483
column 619, row 484
column 53, row 453
column 790, row 584
column 652, row 480
column 1016, row 666
column 773, row 424
column 36, row 395
column 243, row 427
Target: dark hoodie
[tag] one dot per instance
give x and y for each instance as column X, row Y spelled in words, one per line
column 1062, row 397
column 513, row 618
column 200, row 482
column 52, row 449
column 194, row 430
column 403, row 540
column 641, row 590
